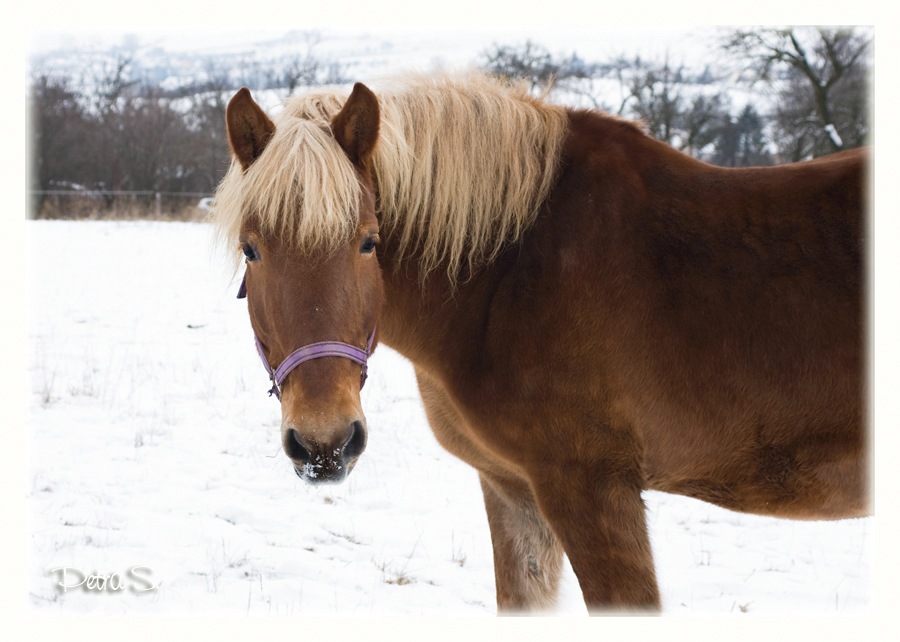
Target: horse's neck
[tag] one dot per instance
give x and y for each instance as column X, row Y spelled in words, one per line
column 431, row 323
column 439, row 327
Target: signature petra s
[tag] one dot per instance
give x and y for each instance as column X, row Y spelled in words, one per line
column 105, row 582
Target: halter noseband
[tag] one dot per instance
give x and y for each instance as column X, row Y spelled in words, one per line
column 309, row 352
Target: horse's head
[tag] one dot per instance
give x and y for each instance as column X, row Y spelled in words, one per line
column 327, row 293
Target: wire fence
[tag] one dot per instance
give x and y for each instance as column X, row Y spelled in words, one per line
column 118, row 205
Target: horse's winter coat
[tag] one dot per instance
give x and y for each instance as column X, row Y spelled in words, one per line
column 590, row 313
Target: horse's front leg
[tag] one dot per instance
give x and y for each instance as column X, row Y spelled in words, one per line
column 592, row 501
column 527, row 555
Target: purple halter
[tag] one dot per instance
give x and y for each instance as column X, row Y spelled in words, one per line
column 309, row 352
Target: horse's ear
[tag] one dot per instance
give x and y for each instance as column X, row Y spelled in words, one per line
column 355, row 127
column 249, row 129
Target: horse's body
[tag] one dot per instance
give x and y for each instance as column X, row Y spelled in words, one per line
column 659, row 324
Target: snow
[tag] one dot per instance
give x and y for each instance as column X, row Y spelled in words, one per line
column 832, row 133
column 152, row 443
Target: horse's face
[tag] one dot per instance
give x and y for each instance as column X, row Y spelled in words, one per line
column 296, row 300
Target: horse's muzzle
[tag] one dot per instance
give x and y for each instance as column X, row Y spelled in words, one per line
column 325, row 463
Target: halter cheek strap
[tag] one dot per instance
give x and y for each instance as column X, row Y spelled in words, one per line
column 309, row 352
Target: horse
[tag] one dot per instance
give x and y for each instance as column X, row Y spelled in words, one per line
column 590, row 313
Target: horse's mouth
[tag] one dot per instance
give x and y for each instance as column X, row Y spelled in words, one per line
column 316, row 465
column 318, row 475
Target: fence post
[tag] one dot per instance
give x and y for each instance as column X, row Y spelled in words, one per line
column 158, row 205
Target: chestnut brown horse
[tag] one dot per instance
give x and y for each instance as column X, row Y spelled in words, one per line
column 590, row 313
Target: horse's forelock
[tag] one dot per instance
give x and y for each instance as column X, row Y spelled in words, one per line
column 302, row 188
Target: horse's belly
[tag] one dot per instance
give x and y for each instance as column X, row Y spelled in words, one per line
column 793, row 482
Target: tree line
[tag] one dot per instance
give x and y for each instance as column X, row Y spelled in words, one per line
column 814, row 81
column 123, row 132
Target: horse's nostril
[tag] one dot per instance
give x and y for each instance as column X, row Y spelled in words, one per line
column 294, row 448
column 356, row 443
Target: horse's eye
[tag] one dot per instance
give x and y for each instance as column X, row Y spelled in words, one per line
column 250, row 252
column 367, row 245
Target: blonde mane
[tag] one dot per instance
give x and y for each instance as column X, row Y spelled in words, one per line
column 463, row 163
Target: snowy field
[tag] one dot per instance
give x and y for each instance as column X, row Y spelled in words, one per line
column 152, row 443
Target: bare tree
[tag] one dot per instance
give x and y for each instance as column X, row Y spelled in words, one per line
column 335, row 74
column 205, row 120
column 658, row 94
column 298, row 71
column 663, row 99
column 152, row 143
column 533, row 63
column 57, row 136
column 110, row 85
column 303, row 68
column 655, row 98
column 818, row 75
column 701, row 123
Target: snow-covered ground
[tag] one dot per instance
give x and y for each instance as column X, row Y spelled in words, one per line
column 152, row 443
